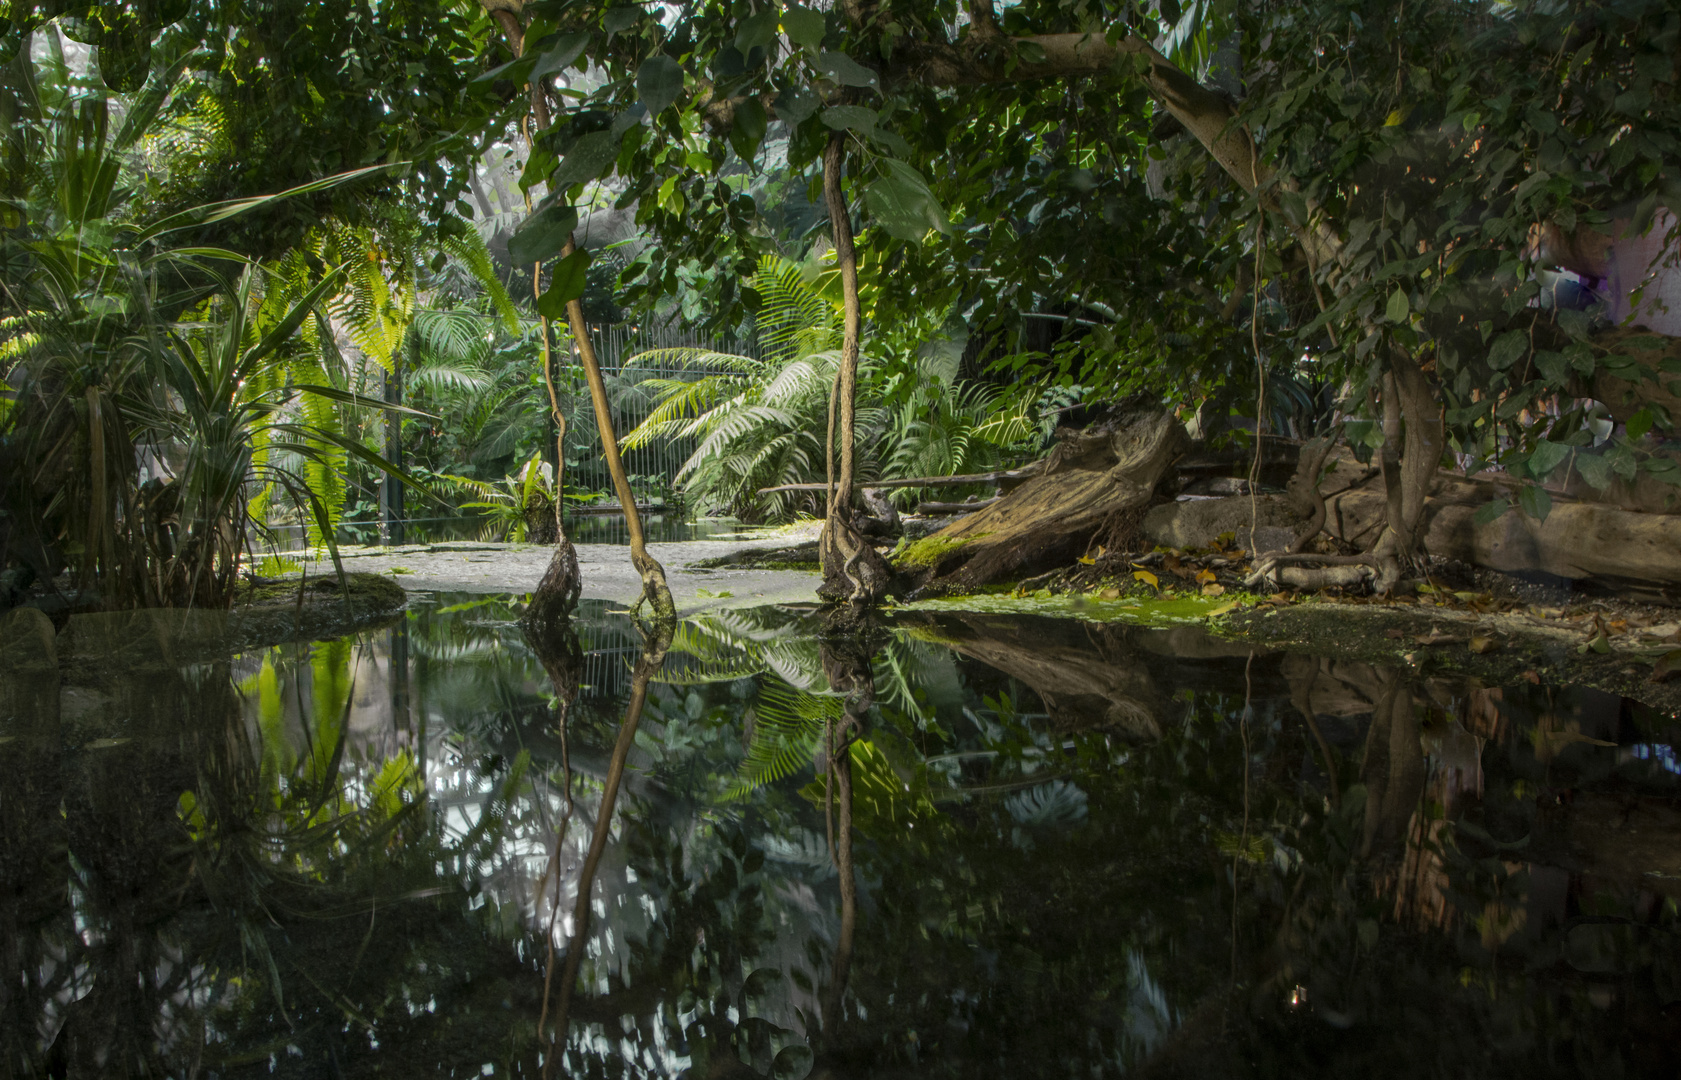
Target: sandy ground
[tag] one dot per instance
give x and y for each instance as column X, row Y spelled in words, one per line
column 605, row 568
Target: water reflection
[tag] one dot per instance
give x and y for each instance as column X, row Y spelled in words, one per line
column 954, row 845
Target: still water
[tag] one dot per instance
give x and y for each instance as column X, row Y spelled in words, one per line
column 954, row 845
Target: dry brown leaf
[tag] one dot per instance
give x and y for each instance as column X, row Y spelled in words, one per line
column 1482, row 645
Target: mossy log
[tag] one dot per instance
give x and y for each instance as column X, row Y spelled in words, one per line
column 1087, row 489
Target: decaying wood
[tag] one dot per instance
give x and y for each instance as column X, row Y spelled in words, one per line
column 1089, row 478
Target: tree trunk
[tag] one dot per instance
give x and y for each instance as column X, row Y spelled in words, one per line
column 557, row 593
column 852, row 571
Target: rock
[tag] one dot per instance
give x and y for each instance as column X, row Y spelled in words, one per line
column 1196, row 523
column 1576, row 541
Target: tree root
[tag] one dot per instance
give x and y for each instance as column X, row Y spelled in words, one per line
column 655, row 592
column 555, row 597
column 853, row 572
column 1304, row 493
column 1296, row 570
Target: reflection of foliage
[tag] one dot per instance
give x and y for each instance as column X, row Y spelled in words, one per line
column 1070, row 902
column 788, row 727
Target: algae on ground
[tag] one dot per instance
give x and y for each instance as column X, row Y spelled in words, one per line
column 1167, row 610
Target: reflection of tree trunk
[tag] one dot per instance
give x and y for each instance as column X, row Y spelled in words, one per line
column 1393, row 769
column 558, row 649
column 1089, row 681
column 846, row 663
column 34, row 867
column 647, row 666
column 852, row 570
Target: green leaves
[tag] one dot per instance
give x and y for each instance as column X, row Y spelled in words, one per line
column 795, row 104
column 1507, row 348
column 557, row 57
column 1535, row 502
column 542, row 235
column 847, row 71
column 757, row 31
column 749, row 128
column 1491, row 511
column 901, row 202
column 850, row 118
column 589, row 157
column 659, row 82
column 1397, row 310
column 566, row 285
column 804, row 26
column 1546, row 457
column 1640, row 423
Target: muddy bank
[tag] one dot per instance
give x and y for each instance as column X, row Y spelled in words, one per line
column 1591, row 645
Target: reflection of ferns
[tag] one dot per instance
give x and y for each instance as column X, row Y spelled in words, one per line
column 738, row 644
column 787, row 727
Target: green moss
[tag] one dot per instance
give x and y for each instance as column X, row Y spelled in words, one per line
column 925, row 553
column 1164, row 611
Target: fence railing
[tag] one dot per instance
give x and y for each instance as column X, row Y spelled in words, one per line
column 653, row 467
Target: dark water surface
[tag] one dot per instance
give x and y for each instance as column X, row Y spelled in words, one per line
column 1003, row 847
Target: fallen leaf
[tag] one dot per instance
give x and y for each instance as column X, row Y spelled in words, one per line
column 1279, row 598
column 1667, row 667
column 1482, row 645
column 1147, row 578
column 1229, row 606
column 1465, row 597
column 1205, row 577
column 1213, row 590
column 1111, row 593
column 1087, row 561
column 1395, row 632
column 1599, row 643
column 1533, row 676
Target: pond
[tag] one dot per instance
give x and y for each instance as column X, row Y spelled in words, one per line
column 954, row 844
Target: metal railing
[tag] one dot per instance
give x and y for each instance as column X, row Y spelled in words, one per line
column 653, row 467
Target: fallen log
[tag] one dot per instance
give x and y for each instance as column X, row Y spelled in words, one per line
column 953, row 508
column 1091, row 484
